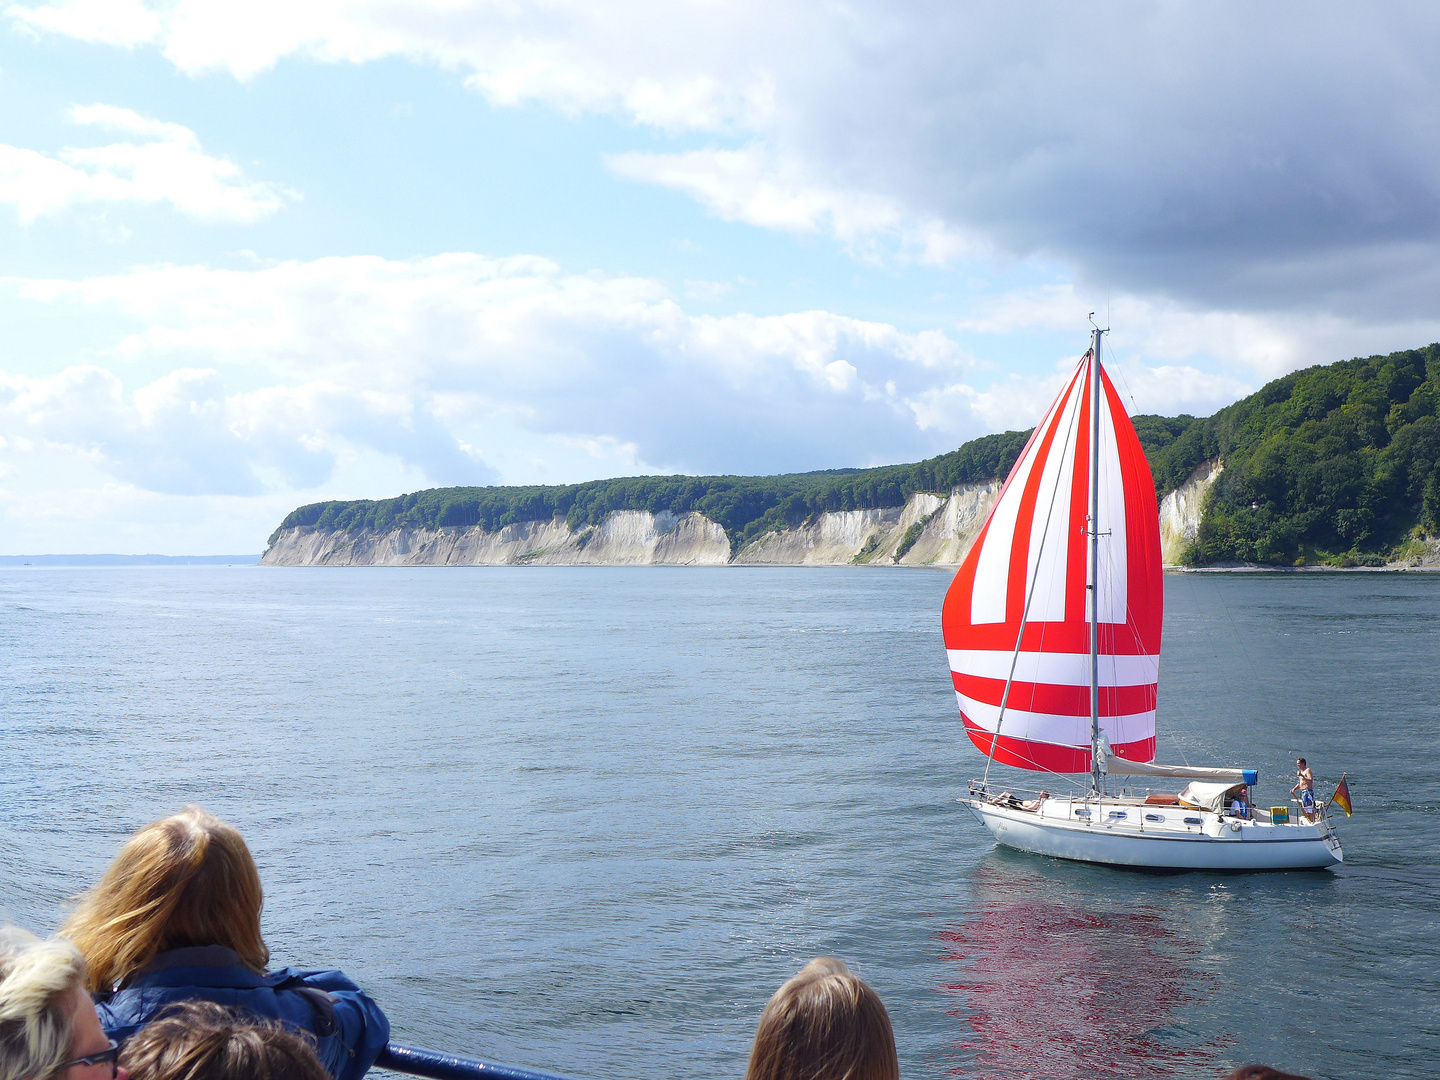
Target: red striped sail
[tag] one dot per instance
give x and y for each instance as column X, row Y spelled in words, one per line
column 1032, row 556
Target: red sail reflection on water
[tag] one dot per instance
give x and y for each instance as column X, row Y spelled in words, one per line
column 1052, row 991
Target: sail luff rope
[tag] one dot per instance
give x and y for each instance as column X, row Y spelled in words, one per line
column 1025, row 615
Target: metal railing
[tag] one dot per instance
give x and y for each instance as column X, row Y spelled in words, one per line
column 427, row 1063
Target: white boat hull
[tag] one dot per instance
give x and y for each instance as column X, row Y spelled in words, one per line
column 1215, row 843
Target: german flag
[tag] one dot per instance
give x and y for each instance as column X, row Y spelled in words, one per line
column 1342, row 795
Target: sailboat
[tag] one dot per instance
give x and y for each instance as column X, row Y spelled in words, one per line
column 1052, row 627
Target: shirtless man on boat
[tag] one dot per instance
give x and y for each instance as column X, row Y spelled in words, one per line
column 1305, row 787
column 1006, row 799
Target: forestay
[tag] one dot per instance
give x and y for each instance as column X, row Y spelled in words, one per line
column 1016, row 617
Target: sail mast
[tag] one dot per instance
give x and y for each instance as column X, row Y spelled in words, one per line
column 1092, row 585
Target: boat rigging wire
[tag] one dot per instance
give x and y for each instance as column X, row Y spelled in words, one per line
column 1034, row 581
column 1135, row 408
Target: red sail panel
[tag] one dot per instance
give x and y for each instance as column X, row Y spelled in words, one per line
column 1023, row 584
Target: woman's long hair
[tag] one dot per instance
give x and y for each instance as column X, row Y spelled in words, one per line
column 187, row 880
column 824, row 1024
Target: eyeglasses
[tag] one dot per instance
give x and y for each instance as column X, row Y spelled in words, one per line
column 109, row 1056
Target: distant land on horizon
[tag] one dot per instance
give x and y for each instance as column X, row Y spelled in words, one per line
column 1336, row 464
column 129, row 560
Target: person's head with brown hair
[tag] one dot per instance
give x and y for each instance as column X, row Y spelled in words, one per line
column 187, row 880
column 1262, row 1072
column 824, row 1024
column 199, row 1040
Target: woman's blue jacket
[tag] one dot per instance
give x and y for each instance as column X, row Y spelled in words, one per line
column 349, row 1028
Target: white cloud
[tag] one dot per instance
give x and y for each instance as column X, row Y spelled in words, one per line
column 569, row 55
column 364, row 377
column 754, row 186
column 1255, row 346
column 1232, row 156
column 275, row 375
column 110, row 22
column 165, row 164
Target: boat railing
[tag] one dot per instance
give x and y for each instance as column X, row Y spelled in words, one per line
column 437, row 1066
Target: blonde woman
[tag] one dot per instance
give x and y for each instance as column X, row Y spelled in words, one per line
column 48, row 1027
column 824, row 1024
column 177, row 918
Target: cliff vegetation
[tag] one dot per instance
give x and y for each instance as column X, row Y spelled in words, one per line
column 745, row 506
column 1337, row 463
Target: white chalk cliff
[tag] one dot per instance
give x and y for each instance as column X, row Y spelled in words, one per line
column 947, row 526
column 625, row 538
column 1180, row 512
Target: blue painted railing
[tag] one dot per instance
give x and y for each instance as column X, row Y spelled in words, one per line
column 427, row 1063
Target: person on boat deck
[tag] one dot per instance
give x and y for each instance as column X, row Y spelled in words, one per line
column 1238, row 805
column 48, row 1026
column 1305, row 786
column 824, row 1024
column 199, row 1040
column 177, row 918
column 1034, row 804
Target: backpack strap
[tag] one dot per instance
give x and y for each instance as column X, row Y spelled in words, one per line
column 321, row 1002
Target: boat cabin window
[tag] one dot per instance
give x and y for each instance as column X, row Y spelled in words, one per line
column 1082, row 813
column 1118, row 814
column 1194, row 821
column 1154, row 817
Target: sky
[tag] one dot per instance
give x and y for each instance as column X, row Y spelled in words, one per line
column 259, row 255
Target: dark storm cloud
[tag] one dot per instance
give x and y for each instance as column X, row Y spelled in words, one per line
column 1237, row 155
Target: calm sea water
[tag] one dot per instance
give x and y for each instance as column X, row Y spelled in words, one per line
column 587, row 820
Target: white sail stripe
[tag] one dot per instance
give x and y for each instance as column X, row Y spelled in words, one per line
column 1058, row 669
column 1050, row 546
column 1058, row 729
column 1112, row 573
column 992, row 567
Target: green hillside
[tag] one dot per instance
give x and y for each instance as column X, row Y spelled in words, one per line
column 1336, row 461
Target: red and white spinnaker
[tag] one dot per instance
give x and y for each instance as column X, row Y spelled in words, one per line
column 1016, row 618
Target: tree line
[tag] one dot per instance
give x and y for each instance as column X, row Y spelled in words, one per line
column 745, row 506
column 1337, row 462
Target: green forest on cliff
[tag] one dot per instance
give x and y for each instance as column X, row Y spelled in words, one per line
column 1340, row 461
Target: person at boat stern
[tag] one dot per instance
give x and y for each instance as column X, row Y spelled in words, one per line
column 1305, row 787
column 176, row 918
column 48, row 1026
